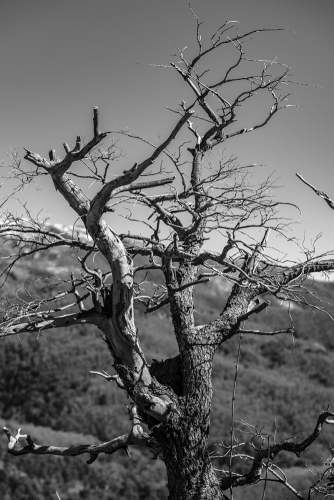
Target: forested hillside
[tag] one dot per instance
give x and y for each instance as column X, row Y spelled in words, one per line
column 46, row 388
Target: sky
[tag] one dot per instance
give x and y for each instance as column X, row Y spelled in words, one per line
column 59, row 59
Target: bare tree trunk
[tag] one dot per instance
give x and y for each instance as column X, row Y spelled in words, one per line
column 189, row 470
column 184, row 438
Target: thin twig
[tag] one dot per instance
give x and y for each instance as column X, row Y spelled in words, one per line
column 233, row 412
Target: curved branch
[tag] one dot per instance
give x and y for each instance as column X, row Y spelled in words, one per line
column 72, row 451
column 254, row 475
column 103, row 196
column 118, row 324
column 229, row 40
column 136, row 437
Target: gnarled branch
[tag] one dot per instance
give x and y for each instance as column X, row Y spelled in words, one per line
column 254, row 475
column 136, row 437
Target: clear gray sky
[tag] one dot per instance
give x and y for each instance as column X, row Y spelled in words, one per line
column 60, row 58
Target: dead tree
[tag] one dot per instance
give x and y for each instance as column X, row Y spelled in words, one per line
column 205, row 193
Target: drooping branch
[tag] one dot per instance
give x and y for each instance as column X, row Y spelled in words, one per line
column 136, row 437
column 71, row 451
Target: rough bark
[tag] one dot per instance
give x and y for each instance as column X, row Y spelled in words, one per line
column 184, row 438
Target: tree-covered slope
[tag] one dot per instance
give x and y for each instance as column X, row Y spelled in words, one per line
column 46, row 388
